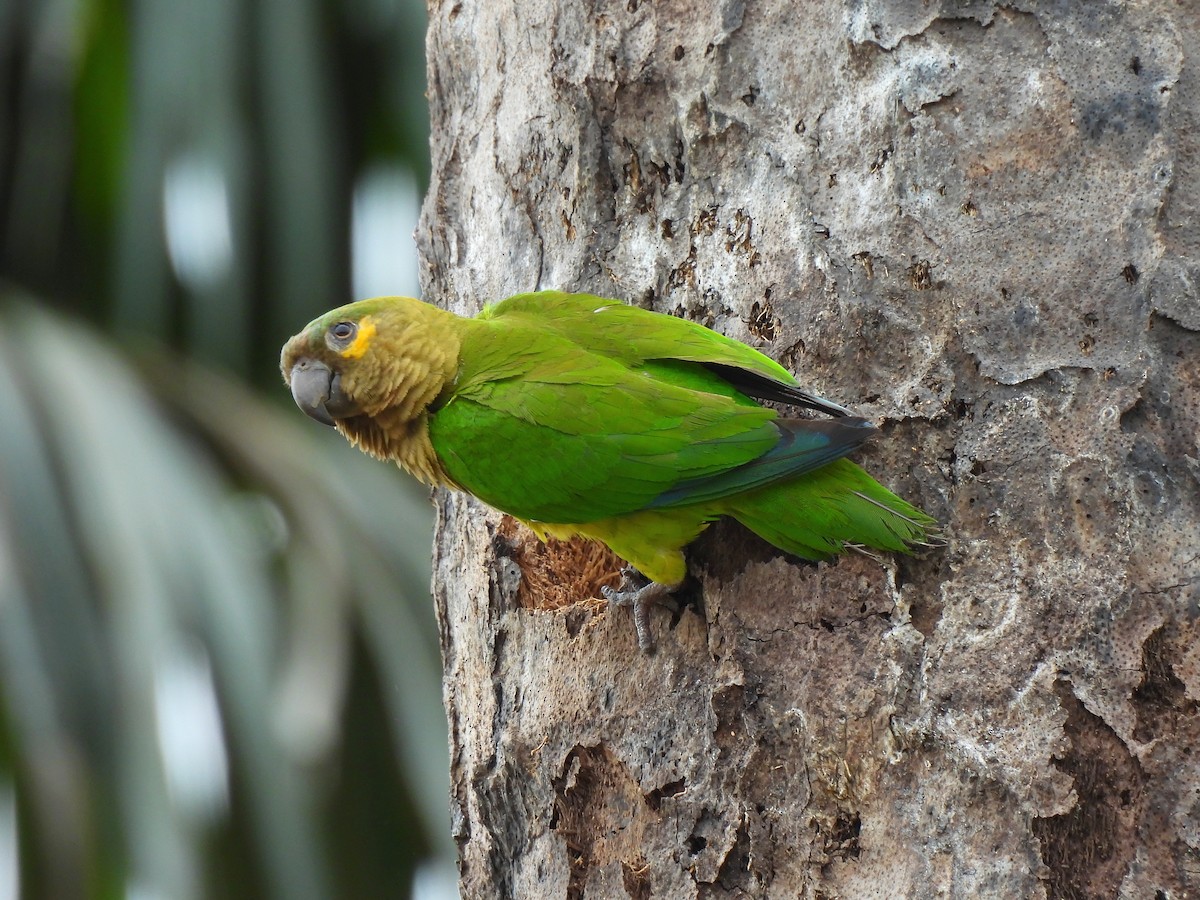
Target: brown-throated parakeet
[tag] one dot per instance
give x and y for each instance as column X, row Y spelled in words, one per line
column 581, row 415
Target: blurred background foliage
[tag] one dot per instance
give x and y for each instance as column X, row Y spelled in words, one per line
column 218, row 661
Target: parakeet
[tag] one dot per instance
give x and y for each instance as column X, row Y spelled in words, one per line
column 581, row 415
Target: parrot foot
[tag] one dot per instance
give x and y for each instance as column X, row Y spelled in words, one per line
column 641, row 599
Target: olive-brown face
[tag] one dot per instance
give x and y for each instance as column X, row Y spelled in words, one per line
column 313, row 364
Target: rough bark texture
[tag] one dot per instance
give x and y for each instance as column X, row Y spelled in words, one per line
column 975, row 223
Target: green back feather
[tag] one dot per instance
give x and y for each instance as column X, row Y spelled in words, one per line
column 629, row 334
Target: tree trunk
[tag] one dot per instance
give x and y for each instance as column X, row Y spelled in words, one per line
column 976, row 225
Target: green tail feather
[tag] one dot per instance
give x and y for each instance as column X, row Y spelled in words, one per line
column 826, row 512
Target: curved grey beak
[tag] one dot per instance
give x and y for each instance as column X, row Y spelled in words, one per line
column 318, row 392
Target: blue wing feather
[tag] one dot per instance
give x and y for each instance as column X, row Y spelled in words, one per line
column 804, row 445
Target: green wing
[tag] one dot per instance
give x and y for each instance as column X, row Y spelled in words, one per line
column 636, row 336
column 554, row 419
column 547, row 431
column 629, row 334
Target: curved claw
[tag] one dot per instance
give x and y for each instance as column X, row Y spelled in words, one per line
column 641, row 599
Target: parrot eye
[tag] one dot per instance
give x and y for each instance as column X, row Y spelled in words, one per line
column 342, row 331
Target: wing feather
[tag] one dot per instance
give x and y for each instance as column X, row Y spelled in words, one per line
column 634, row 336
column 556, row 422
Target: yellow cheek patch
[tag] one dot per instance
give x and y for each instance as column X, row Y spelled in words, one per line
column 366, row 331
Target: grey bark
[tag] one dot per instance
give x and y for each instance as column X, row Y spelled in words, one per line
column 974, row 223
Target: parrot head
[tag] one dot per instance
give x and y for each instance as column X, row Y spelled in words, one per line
column 323, row 362
column 371, row 370
column 388, row 356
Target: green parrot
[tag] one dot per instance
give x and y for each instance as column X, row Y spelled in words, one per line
column 580, row 415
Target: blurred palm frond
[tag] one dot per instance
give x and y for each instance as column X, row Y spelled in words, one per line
column 218, row 663
column 190, row 581
column 187, row 580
